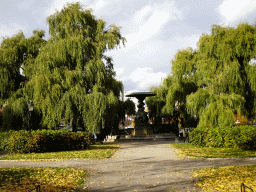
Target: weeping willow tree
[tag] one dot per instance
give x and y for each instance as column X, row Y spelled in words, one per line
column 71, row 78
column 183, row 83
column 226, row 70
column 170, row 101
column 129, row 107
column 155, row 104
column 15, row 53
column 224, row 75
column 216, row 81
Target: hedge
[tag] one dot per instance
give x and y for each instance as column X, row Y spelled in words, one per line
column 4, row 139
column 46, row 141
column 243, row 137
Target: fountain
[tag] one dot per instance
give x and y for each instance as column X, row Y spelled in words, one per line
column 141, row 120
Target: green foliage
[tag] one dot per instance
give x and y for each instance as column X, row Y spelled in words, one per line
column 243, row 137
column 175, row 88
column 47, row 141
column 223, row 68
column 12, row 121
column 129, row 107
column 69, row 76
column 182, row 84
column 155, row 104
column 4, row 140
column 15, row 53
column 213, row 109
column 216, row 80
column 70, row 80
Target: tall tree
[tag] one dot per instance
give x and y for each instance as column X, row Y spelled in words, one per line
column 217, row 80
column 71, row 78
column 174, row 89
column 155, row 104
column 15, row 53
column 129, row 107
column 224, row 68
column 183, row 82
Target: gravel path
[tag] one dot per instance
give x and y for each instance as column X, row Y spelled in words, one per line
column 138, row 166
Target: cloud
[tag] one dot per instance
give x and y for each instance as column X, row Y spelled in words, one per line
column 153, row 53
column 57, row 5
column 140, row 15
column 13, row 28
column 119, row 71
column 184, row 42
column 99, row 5
column 143, row 50
column 149, row 20
column 96, row 6
column 145, row 77
column 26, row 4
column 142, row 31
column 233, row 10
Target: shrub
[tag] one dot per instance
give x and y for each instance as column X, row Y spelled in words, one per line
column 4, row 140
column 47, row 141
column 243, row 137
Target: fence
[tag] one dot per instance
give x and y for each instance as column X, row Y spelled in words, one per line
column 243, row 188
column 37, row 188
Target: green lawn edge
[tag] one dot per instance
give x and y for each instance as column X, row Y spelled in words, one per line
column 97, row 151
column 207, row 152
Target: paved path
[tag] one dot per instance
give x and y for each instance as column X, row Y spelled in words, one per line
column 138, row 166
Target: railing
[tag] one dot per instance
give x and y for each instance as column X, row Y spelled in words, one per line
column 37, row 188
column 243, row 188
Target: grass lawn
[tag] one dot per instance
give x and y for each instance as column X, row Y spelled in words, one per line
column 227, row 178
column 49, row 179
column 194, row 151
column 94, row 151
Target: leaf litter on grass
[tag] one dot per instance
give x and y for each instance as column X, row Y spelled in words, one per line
column 50, row 179
column 228, row 178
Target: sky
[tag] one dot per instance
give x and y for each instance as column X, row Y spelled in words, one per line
column 154, row 30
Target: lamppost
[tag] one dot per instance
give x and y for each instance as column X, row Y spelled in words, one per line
column 30, row 110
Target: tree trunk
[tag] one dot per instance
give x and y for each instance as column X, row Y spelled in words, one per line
column 74, row 124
